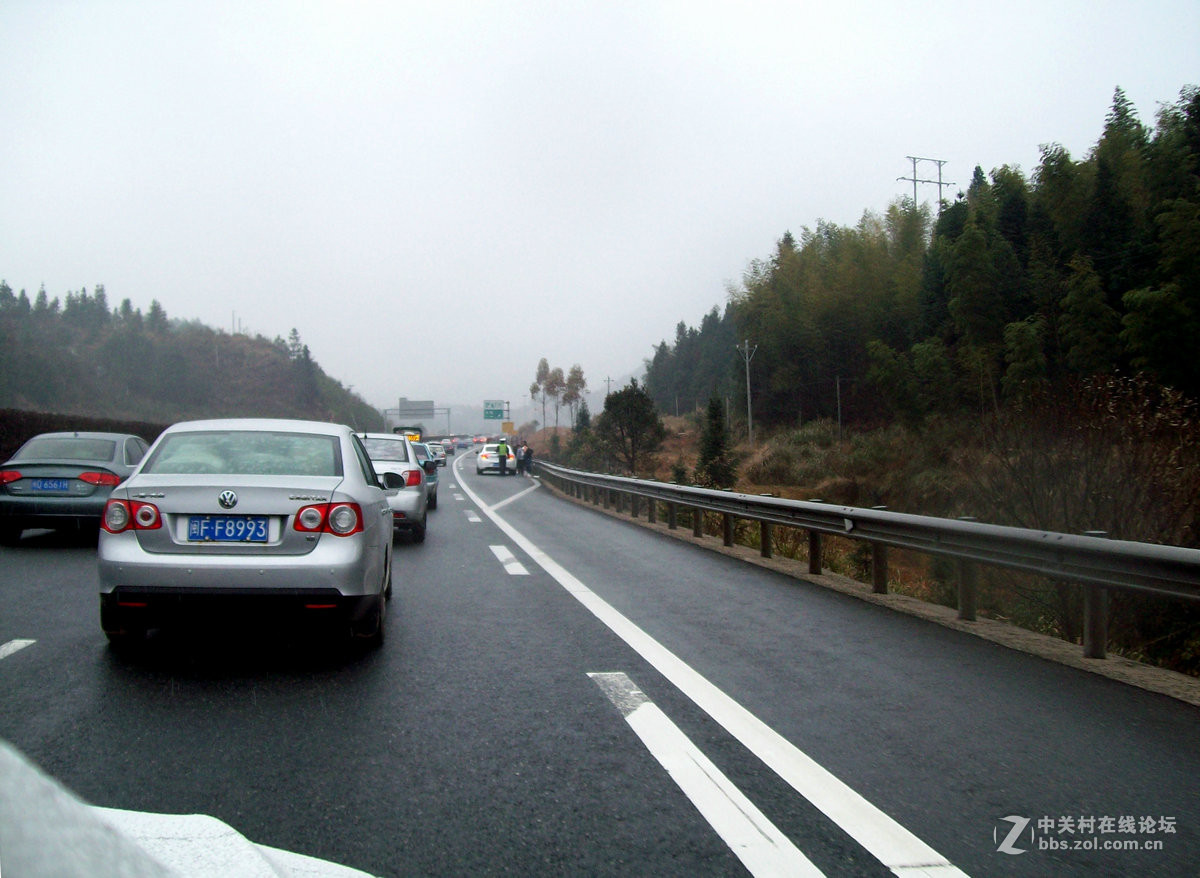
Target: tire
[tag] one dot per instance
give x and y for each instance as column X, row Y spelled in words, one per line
column 371, row 630
column 433, row 501
column 122, row 640
column 9, row 535
column 117, row 629
column 418, row 532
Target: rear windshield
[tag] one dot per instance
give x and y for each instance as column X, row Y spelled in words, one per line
column 67, row 448
column 386, row 449
column 247, row 452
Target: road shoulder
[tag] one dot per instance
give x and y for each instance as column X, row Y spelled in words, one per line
column 1152, row 679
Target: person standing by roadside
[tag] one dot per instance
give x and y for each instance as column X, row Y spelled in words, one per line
column 526, row 457
column 502, row 452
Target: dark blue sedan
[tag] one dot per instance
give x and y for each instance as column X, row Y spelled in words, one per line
column 62, row 480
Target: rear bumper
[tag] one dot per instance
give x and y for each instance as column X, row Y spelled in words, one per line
column 408, row 508
column 348, row 567
column 126, row 610
column 52, row 512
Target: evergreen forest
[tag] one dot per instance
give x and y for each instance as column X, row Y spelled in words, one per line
column 79, row 356
column 1087, row 267
column 1025, row 355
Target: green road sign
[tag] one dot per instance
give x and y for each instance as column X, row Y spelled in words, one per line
column 493, row 409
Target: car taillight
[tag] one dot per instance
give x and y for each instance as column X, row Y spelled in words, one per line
column 121, row 515
column 108, row 480
column 339, row 519
column 413, row 478
column 9, row 475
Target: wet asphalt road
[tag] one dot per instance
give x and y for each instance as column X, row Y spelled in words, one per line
column 475, row 742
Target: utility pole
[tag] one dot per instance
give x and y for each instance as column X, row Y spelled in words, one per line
column 748, row 355
column 914, row 179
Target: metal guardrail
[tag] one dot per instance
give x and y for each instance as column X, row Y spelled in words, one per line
column 1095, row 562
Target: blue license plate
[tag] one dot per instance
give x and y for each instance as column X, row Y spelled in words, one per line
column 51, row 485
column 227, row 529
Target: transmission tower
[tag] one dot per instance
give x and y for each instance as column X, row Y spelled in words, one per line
column 914, row 179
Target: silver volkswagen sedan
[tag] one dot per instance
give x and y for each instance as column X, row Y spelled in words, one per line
column 248, row 516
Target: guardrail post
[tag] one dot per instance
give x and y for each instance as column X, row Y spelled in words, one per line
column 635, row 503
column 672, row 516
column 605, row 494
column 652, row 510
column 697, row 522
column 879, row 582
column 727, row 528
column 968, row 585
column 1095, row 615
column 814, row 552
column 764, row 539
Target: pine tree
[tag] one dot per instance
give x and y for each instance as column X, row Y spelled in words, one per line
column 714, row 468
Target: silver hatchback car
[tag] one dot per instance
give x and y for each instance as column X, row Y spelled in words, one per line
column 394, row 453
column 248, row 515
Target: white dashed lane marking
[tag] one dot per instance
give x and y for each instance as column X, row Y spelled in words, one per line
column 511, row 564
column 7, row 649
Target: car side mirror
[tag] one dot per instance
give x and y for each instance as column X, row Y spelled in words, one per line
column 393, row 480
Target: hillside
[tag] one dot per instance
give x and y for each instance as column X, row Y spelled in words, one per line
column 80, row 357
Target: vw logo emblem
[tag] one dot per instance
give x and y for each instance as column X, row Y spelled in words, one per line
column 228, row 499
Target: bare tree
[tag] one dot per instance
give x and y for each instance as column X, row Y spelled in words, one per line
column 576, row 387
column 538, row 387
column 554, row 387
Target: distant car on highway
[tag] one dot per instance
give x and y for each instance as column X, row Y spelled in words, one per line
column 488, row 459
column 438, row 450
column 393, row 452
column 431, row 480
column 228, row 518
column 62, row 480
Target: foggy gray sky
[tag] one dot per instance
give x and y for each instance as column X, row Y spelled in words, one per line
column 436, row 195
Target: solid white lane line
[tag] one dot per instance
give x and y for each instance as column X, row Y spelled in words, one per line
column 508, row 500
column 7, row 649
column 889, row 842
column 754, row 839
column 511, row 565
